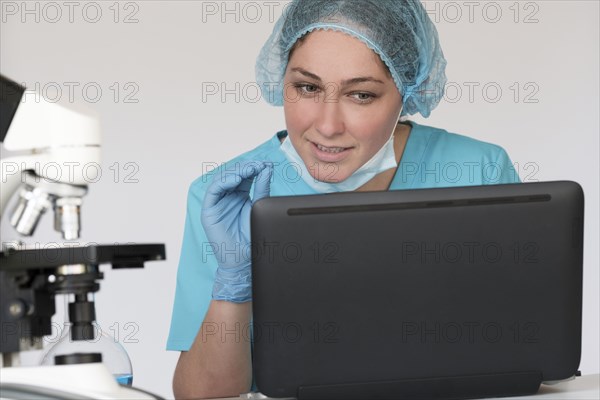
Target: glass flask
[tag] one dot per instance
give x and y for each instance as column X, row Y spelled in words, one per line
column 113, row 354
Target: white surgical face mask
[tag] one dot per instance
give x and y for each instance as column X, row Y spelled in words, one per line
column 383, row 160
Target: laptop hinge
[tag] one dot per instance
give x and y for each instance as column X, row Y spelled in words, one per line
column 455, row 387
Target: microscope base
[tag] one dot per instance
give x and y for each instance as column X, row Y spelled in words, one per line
column 90, row 381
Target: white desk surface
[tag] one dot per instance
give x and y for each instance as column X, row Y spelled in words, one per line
column 580, row 388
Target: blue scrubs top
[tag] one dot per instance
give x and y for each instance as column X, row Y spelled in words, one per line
column 432, row 158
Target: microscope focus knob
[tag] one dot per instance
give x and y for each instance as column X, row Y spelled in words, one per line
column 17, row 308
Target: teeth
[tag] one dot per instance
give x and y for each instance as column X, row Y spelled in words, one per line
column 330, row 149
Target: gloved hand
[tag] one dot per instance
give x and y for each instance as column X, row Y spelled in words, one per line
column 226, row 221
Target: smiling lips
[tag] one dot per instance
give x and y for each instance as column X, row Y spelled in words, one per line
column 329, row 154
column 331, row 149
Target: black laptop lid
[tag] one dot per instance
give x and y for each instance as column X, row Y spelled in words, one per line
column 359, row 291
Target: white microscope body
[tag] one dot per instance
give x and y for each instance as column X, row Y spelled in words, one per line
column 57, row 153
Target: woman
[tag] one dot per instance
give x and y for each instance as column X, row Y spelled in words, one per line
column 345, row 72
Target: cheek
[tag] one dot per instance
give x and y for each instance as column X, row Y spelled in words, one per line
column 292, row 119
column 372, row 128
column 298, row 116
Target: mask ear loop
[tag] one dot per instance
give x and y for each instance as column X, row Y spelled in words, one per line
column 397, row 120
column 395, row 126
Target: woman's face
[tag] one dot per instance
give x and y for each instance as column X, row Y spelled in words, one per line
column 341, row 104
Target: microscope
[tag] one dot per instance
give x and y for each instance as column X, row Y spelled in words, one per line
column 54, row 144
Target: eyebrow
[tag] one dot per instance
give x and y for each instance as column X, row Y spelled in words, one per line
column 347, row 82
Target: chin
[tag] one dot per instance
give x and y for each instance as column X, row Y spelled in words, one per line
column 329, row 174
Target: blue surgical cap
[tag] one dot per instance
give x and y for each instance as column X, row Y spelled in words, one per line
column 399, row 31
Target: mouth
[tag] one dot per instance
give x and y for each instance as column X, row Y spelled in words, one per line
column 330, row 153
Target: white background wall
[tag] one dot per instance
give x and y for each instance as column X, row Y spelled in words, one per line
column 171, row 51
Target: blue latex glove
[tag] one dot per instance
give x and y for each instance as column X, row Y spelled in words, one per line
column 226, row 221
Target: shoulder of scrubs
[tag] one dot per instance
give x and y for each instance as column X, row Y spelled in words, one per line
column 197, row 263
column 437, row 158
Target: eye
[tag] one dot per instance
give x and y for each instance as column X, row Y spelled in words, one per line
column 363, row 98
column 306, row 88
column 310, row 88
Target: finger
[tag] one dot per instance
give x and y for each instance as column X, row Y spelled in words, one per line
column 219, row 187
column 262, row 184
column 234, row 177
column 250, row 169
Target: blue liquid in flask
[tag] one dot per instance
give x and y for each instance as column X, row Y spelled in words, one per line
column 124, row 379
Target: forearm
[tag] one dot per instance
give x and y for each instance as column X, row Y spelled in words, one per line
column 219, row 362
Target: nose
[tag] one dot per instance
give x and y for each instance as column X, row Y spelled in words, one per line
column 330, row 119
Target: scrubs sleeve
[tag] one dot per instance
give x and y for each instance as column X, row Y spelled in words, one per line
column 195, row 275
column 505, row 170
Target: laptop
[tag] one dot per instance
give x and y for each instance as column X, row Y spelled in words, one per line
column 459, row 292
